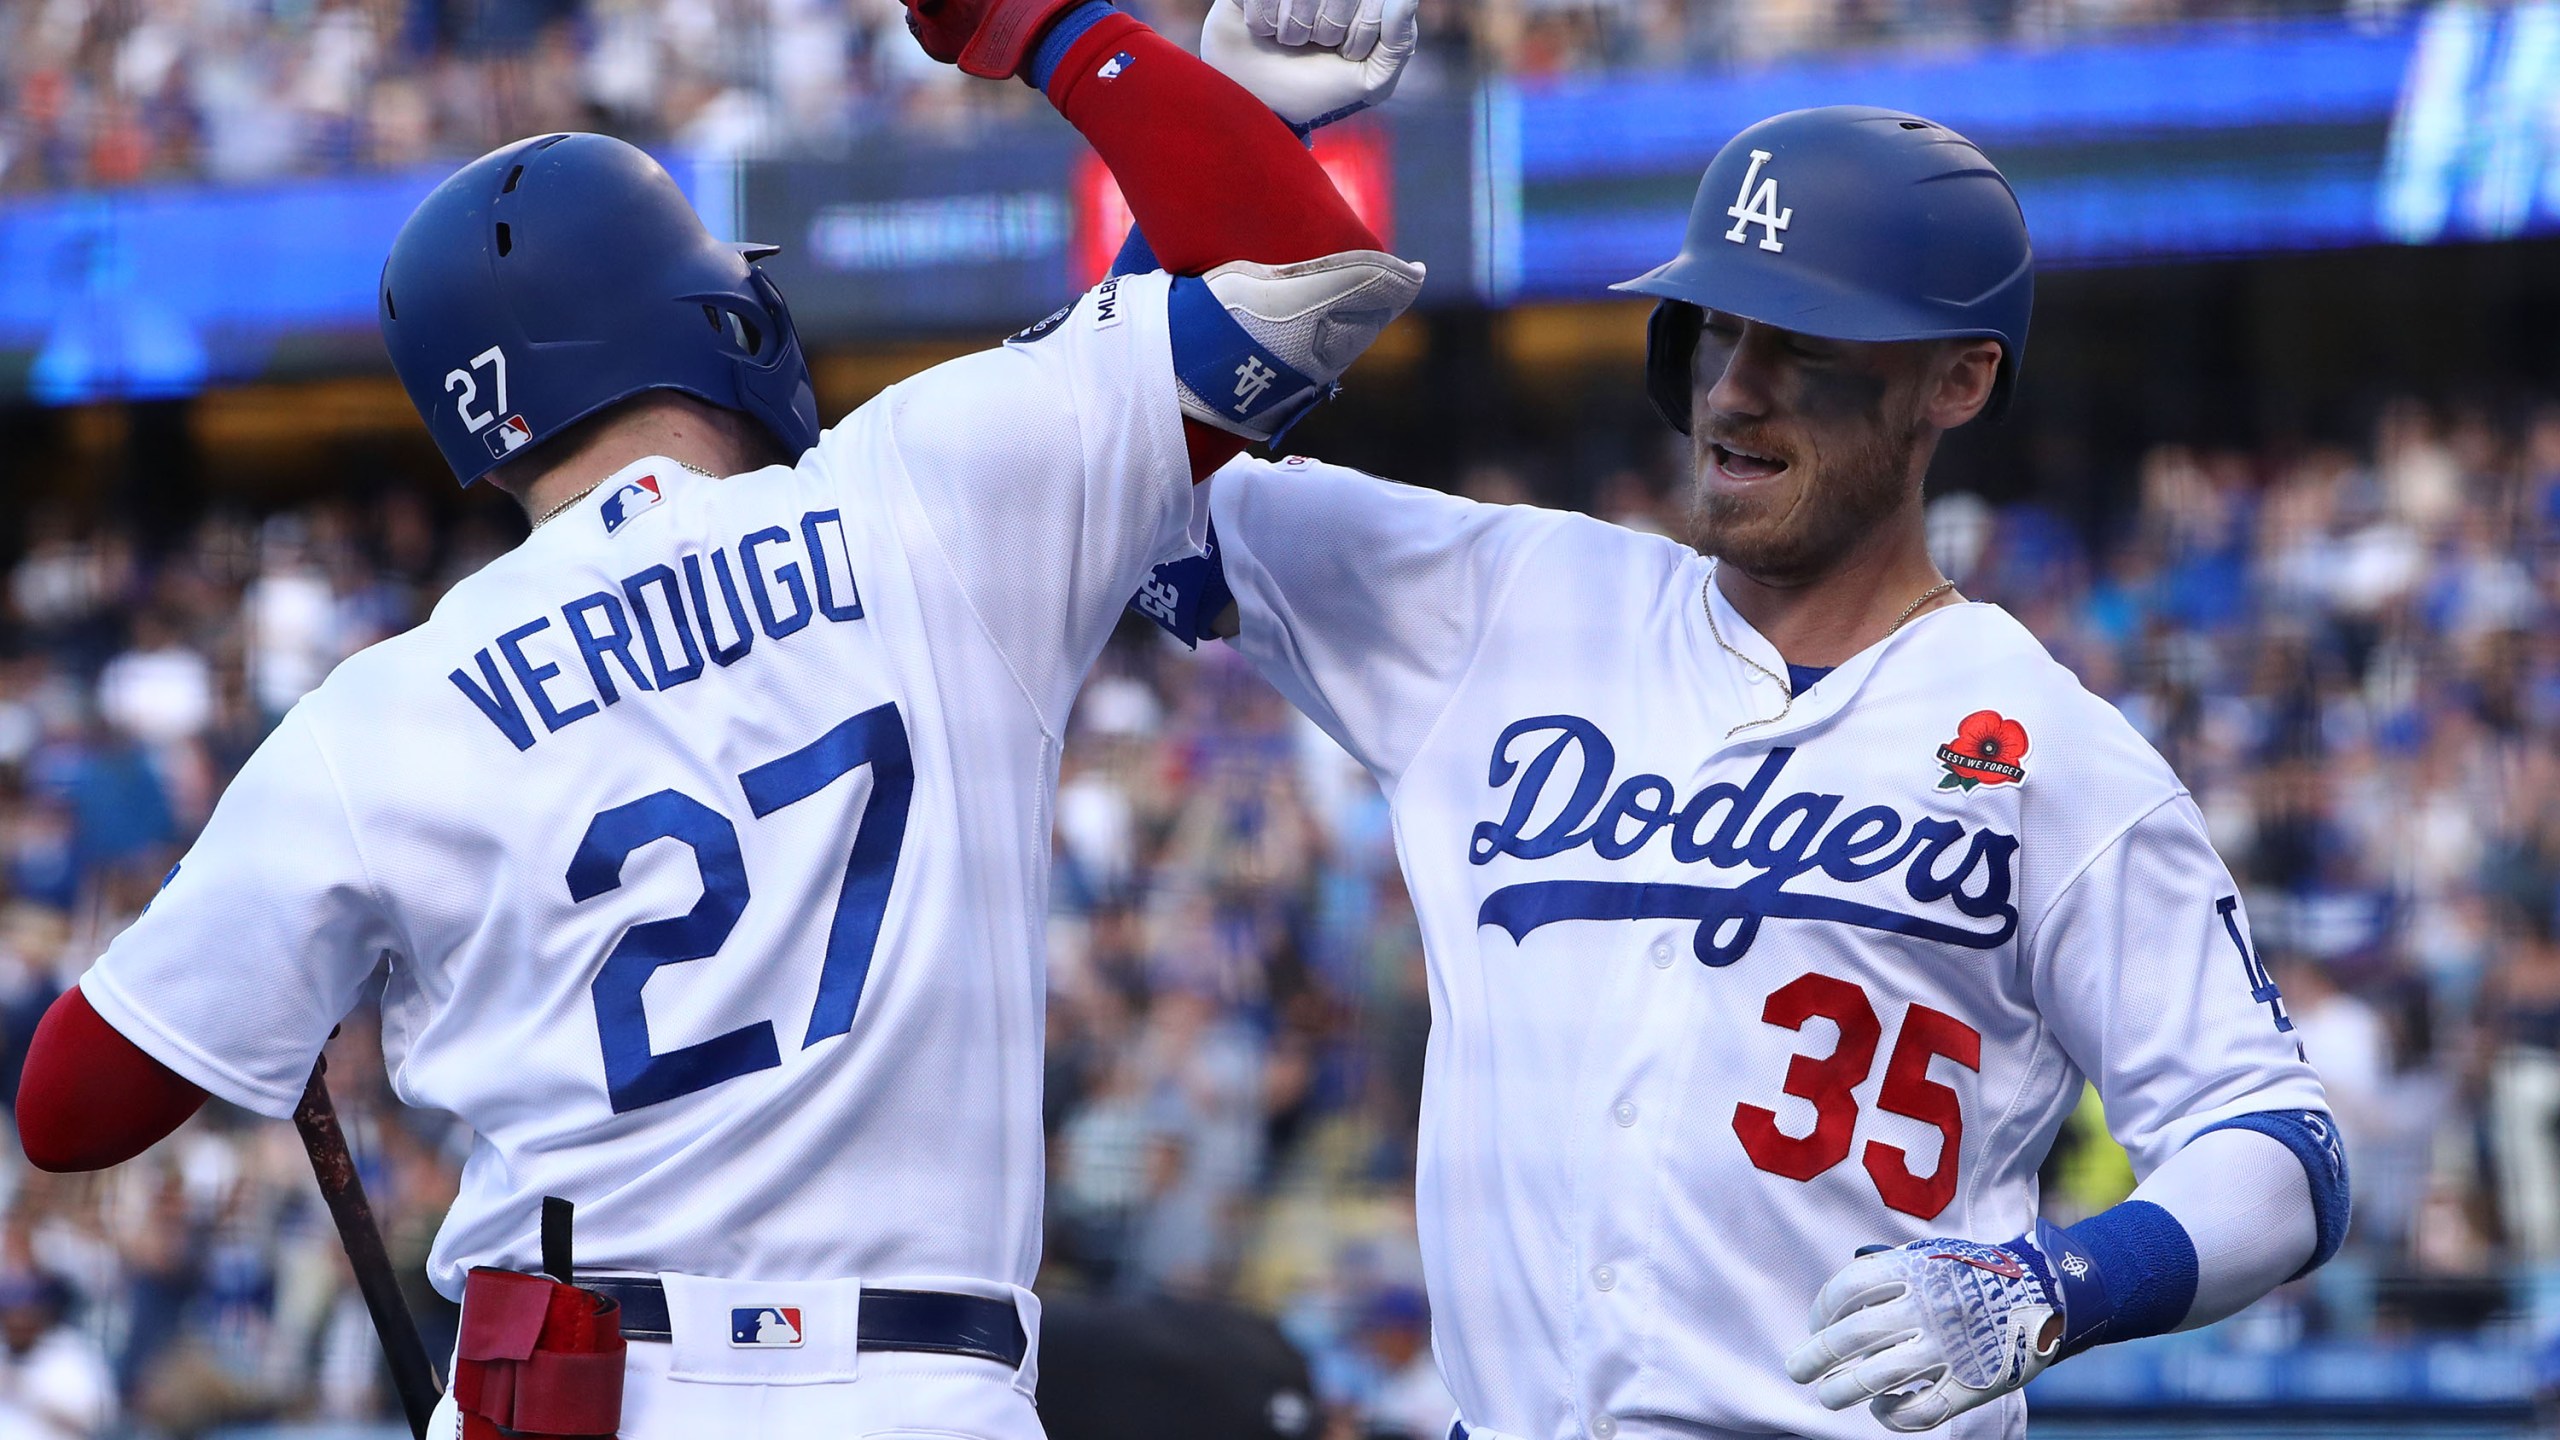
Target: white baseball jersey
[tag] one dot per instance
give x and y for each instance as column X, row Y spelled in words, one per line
column 1716, row 1002
column 706, row 836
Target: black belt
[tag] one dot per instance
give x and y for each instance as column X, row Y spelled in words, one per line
column 926, row 1320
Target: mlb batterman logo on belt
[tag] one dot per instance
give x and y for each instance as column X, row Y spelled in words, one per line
column 765, row 1327
column 1986, row 751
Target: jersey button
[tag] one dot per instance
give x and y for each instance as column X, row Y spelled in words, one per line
column 1661, row 954
column 1606, row 1279
column 1603, row 1426
column 1626, row 1112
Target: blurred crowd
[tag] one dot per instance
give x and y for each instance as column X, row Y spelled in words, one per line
column 112, row 92
column 2349, row 654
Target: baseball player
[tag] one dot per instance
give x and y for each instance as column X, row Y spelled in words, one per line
column 1778, row 900
column 704, row 837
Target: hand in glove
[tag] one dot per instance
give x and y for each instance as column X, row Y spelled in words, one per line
column 1312, row 61
column 1926, row 1331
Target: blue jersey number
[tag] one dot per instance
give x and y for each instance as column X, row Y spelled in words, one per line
column 635, row 1075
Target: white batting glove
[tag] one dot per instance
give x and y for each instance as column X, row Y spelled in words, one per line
column 1926, row 1331
column 1313, row 61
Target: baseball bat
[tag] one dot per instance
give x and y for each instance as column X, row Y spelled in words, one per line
column 413, row 1375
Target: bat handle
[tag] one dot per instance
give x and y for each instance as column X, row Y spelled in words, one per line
column 413, row 1375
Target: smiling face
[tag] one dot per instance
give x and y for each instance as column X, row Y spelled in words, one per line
column 1803, row 446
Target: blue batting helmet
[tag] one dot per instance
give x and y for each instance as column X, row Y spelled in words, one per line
column 1850, row 223
column 550, row 278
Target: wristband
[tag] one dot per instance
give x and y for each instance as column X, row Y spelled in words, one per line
column 1064, row 32
column 2121, row 1274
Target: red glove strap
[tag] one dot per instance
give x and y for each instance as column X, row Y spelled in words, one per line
column 537, row 1358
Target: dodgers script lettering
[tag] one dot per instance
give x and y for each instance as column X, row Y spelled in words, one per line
column 1728, row 827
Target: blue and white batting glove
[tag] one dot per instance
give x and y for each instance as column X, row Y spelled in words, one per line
column 1923, row 1332
column 1313, row 61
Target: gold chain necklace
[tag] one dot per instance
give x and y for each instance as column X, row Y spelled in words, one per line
column 554, row 511
column 1786, row 691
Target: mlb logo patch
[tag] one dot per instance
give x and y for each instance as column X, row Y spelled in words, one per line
column 765, row 1327
column 634, row 497
column 1114, row 67
column 508, row 436
column 1107, row 310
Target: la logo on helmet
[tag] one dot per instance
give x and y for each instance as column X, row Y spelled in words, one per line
column 1758, row 207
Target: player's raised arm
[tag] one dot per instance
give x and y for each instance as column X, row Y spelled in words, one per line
column 1290, row 286
column 1314, row 62
column 1053, row 471
column 2146, row 971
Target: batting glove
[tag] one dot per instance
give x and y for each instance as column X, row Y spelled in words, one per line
column 1926, row 1331
column 1313, row 61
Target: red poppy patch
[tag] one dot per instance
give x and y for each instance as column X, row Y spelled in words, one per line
column 1987, row 750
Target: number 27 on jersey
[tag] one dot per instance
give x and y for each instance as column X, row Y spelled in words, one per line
column 636, row 1076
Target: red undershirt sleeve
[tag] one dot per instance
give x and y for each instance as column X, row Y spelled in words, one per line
column 89, row 1097
column 1210, row 174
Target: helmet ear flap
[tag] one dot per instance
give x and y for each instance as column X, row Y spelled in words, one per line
column 1671, row 343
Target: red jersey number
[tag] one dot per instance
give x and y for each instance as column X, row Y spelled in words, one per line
column 1829, row 1082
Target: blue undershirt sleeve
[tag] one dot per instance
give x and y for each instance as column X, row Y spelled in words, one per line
column 1135, row 255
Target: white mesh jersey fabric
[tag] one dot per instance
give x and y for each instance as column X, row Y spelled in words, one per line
column 1712, row 1008
column 719, row 909
column 1048, row 490
column 1382, row 596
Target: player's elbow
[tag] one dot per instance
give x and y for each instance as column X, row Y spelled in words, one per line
column 89, row 1098
column 1257, row 346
